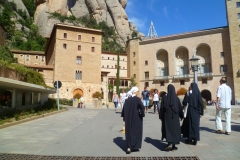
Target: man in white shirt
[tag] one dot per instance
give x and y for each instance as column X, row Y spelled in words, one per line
column 223, row 105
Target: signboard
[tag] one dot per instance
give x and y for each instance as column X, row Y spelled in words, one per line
column 59, row 83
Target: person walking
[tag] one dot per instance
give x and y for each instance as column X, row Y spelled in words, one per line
column 122, row 98
column 133, row 113
column 145, row 98
column 190, row 127
column 115, row 100
column 223, row 105
column 81, row 102
column 155, row 98
column 170, row 113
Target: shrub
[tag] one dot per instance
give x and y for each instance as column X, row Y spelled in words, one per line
column 17, row 116
column 77, row 96
column 181, row 91
column 51, row 103
column 65, row 101
column 97, row 95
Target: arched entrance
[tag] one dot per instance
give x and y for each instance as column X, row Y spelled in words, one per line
column 206, row 94
column 77, row 91
column 162, row 63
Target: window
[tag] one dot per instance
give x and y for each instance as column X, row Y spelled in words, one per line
column 64, row 35
column 238, row 4
column 27, row 57
column 102, row 66
column 79, row 47
column 113, row 58
column 40, row 70
column 79, row 37
column 93, row 39
column 134, row 63
column 93, row 49
column 204, row 81
column 161, row 83
column 112, row 66
column 146, row 63
column 64, row 46
column 123, row 59
column 223, row 68
column 182, row 82
column 238, row 15
column 238, row 27
column 115, row 66
column 21, row 56
column 43, row 58
column 134, row 75
column 102, row 57
column 146, row 75
column 107, row 66
column 36, row 57
column 146, row 84
column 222, row 54
column 134, row 54
column 79, row 60
column 78, row 75
column 123, row 67
column 108, row 57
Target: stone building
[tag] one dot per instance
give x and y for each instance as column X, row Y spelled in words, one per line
column 109, row 65
column 75, row 54
column 233, row 15
column 3, row 33
column 165, row 60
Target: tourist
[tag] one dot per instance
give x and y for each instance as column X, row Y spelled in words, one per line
column 81, row 102
column 145, row 98
column 122, row 97
column 190, row 126
column 133, row 113
column 170, row 113
column 155, row 99
column 115, row 100
column 223, row 105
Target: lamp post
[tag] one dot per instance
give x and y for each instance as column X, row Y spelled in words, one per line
column 194, row 66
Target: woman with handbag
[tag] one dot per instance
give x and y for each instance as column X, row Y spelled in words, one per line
column 190, row 126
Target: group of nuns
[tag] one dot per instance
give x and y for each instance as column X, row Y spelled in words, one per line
column 171, row 112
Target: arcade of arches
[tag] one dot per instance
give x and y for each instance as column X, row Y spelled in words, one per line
column 162, row 63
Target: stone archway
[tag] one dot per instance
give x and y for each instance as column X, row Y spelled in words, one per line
column 161, row 65
column 206, row 94
column 77, row 91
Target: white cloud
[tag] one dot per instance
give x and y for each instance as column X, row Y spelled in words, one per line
column 165, row 11
column 140, row 23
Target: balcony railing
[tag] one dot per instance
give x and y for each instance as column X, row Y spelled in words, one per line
column 182, row 76
column 146, row 78
column 205, row 74
column 161, row 78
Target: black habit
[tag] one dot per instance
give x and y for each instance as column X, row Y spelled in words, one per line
column 170, row 114
column 133, row 113
column 190, row 126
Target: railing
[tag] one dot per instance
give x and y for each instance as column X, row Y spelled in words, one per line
column 161, row 77
column 146, row 78
column 181, row 76
column 205, row 74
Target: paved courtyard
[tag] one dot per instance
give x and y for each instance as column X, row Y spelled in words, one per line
column 90, row 132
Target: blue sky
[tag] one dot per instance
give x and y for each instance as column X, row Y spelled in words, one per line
column 176, row 16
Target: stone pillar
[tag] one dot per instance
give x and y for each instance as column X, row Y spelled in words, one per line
column 13, row 103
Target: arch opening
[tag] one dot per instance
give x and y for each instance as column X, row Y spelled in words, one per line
column 162, row 67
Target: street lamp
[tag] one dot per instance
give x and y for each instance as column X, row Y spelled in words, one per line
column 194, row 66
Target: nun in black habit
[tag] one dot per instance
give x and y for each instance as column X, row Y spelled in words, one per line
column 133, row 113
column 170, row 115
column 190, row 126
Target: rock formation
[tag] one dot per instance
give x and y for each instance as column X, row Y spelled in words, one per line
column 20, row 5
column 110, row 11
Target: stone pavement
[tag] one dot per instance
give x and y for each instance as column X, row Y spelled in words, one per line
column 91, row 132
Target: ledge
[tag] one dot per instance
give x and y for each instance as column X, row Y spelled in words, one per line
column 31, row 118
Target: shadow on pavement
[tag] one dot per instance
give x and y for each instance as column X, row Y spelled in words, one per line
column 207, row 129
column 235, row 128
column 120, row 143
column 156, row 143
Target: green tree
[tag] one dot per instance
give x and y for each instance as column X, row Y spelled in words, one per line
column 7, row 55
column 132, row 82
column 30, row 5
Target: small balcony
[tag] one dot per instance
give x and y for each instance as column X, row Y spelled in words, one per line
column 161, row 79
column 208, row 75
column 181, row 77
